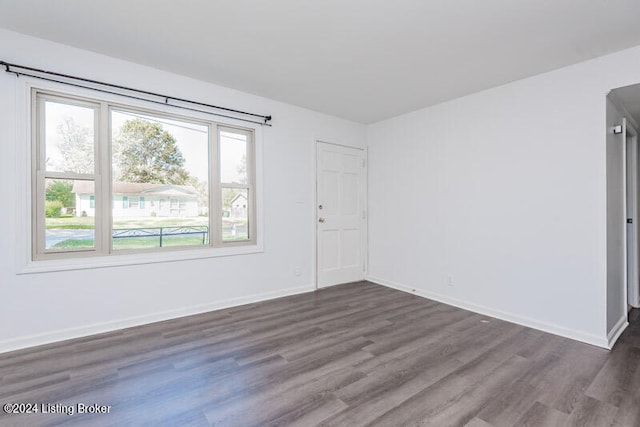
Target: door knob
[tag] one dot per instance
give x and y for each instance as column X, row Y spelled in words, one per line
column 320, row 219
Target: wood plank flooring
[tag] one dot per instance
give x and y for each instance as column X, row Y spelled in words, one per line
column 352, row 355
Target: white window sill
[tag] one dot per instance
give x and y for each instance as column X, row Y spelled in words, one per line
column 32, row 267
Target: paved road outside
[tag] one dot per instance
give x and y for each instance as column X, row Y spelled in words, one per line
column 57, row 235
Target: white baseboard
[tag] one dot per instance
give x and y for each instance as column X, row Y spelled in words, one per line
column 98, row 328
column 509, row 317
column 617, row 330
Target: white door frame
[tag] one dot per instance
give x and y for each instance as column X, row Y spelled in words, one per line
column 632, row 268
column 365, row 228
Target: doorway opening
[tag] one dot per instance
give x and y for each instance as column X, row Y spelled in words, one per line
column 623, row 116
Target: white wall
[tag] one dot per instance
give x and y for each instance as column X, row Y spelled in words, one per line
column 506, row 191
column 37, row 308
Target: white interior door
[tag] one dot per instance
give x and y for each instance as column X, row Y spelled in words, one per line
column 341, row 217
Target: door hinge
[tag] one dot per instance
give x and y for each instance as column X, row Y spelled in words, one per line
column 629, row 220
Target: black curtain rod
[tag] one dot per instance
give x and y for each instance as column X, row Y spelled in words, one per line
column 8, row 68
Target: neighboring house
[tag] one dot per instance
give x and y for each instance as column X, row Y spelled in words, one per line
column 239, row 206
column 137, row 200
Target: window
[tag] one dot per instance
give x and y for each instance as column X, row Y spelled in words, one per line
column 112, row 179
column 234, row 185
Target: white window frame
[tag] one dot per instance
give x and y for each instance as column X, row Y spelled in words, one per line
column 33, row 261
column 40, row 174
column 249, row 186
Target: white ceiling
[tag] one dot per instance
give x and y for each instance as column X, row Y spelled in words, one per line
column 363, row 60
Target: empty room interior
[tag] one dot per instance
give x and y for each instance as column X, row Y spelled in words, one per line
column 337, row 213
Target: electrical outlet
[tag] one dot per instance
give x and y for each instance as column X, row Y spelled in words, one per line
column 297, row 271
column 450, row 280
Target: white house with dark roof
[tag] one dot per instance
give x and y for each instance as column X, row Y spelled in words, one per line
column 140, row 199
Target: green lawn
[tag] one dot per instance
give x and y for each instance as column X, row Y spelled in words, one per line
column 142, row 242
column 71, row 222
column 75, row 244
column 135, row 242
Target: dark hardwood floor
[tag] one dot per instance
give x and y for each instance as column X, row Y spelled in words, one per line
column 356, row 354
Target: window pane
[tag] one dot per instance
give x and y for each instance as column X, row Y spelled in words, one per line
column 69, row 215
column 160, row 182
column 69, row 138
column 235, row 214
column 233, row 157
